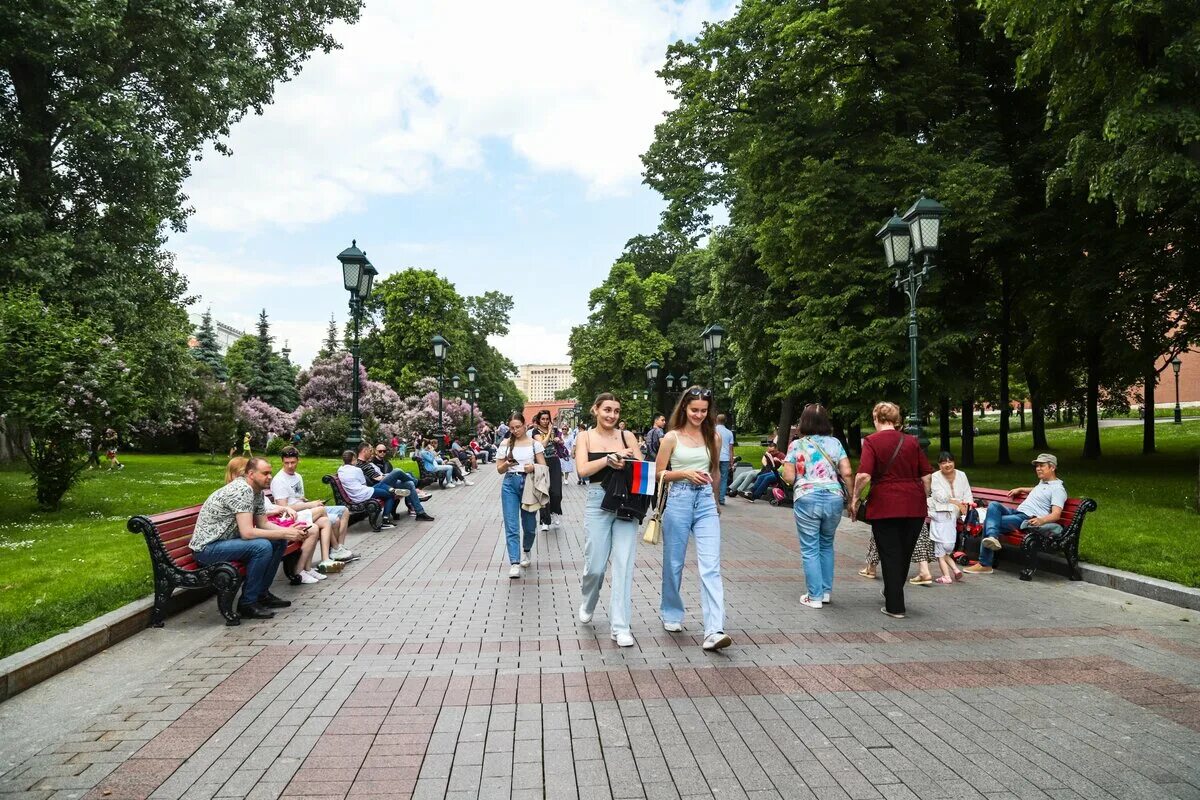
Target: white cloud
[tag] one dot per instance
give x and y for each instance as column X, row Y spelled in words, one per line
column 528, row 343
column 420, row 87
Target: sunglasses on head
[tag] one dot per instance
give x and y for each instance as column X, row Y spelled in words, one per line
column 697, row 391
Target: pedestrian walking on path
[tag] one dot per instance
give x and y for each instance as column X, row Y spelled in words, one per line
column 515, row 460
column 598, row 452
column 551, row 440
column 819, row 471
column 689, row 462
column 895, row 468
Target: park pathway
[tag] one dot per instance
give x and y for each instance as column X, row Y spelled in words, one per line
column 424, row 671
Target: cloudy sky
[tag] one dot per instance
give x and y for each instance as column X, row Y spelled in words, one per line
column 495, row 143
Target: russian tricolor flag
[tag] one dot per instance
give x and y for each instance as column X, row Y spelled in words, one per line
column 642, row 478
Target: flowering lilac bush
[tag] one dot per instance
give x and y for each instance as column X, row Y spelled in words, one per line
column 262, row 420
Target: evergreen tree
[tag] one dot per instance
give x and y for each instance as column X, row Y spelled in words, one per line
column 206, row 350
column 270, row 378
column 331, row 345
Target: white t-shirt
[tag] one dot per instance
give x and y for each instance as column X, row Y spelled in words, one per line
column 355, row 483
column 524, row 454
column 287, row 489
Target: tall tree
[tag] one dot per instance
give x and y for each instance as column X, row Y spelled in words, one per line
column 206, row 350
column 331, row 345
column 271, row 379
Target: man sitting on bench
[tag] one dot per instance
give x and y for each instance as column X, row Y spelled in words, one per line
column 359, row 491
column 233, row 526
column 287, row 489
column 380, row 461
column 1042, row 506
column 399, row 481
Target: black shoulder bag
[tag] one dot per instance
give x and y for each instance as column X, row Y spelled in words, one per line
column 617, row 497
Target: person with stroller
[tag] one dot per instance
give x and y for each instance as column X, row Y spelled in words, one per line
column 949, row 500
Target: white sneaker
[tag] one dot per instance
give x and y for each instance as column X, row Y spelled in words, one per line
column 451, row 485
column 306, row 577
column 991, row 543
column 340, row 553
column 385, row 525
column 514, row 571
column 623, row 639
column 827, row 598
column 805, row 600
column 673, row 627
column 318, row 575
column 544, row 527
column 525, row 560
column 716, row 641
column 400, row 492
column 585, row 616
column 468, row 483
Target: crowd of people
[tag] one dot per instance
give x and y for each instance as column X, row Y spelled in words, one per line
column 915, row 512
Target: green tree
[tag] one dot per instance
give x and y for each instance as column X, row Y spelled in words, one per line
column 271, row 379
column 206, row 350
column 331, row 344
column 239, row 360
column 609, row 352
column 216, row 415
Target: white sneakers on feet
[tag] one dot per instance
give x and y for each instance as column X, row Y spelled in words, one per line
column 307, row 577
column 805, row 600
column 673, row 627
column 585, row 616
column 468, row 483
column 514, row 571
column 340, row 553
column 827, row 598
column 318, row 575
column 623, row 639
column 717, row 641
column 544, row 527
column 525, row 559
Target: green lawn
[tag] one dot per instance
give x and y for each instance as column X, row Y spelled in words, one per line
column 61, row 569
column 1146, row 522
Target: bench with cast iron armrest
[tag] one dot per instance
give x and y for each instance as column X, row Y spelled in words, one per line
column 1062, row 536
column 370, row 509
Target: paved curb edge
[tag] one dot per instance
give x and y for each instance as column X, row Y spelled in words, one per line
column 1175, row 594
column 31, row 666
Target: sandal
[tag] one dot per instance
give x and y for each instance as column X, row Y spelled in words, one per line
column 944, row 580
column 920, row 580
column 866, row 573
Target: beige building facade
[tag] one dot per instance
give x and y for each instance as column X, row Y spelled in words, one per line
column 540, row 382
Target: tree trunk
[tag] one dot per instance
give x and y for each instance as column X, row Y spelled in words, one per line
column 854, row 438
column 1021, row 411
column 1038, row 410
column 1091, row 438
column 967, row 456
column 787, row 410
column 1002, row 456
column 1149, row 385
column 944, row 422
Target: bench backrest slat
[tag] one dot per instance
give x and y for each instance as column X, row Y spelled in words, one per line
column 982, row 493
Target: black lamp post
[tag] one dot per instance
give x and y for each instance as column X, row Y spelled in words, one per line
column 358, row 275
column 683, row 382
column 652, row 369
column 713, row 337
column 670, row 379
column 1176, row 363
column 906, row 241
column 440, row 348
column 471, row 372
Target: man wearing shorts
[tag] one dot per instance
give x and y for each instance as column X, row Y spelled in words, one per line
column 287, row 489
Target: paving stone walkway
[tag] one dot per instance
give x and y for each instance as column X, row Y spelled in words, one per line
column 423, row 671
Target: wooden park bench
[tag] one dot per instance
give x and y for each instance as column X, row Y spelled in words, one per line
column 1062, row 536
column 175, row 565
column 371, row 509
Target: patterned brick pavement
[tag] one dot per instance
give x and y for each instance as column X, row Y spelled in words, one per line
column 422, row 671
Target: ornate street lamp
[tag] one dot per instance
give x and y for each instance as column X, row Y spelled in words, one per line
column 440, row 348
column 906, row 241
column 358, row 276
column 713, row 337
column 683, row 382
column 652, row 369
column 471, row 372
column 670, row 383
column 728, row 382
column 1176, row 363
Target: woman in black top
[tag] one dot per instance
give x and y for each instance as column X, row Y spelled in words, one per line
column 551, row 440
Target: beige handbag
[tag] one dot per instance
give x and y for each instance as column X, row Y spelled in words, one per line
column 653, row 533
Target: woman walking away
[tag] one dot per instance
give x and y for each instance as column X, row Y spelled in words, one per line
column 689, row 460
column 551, row 440
column 895, row 467
column 949, row 499
column 514, row 460
column 598, row 452
column 819, row 471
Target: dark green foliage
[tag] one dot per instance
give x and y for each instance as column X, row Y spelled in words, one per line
column 206, row 350
column 216, row 416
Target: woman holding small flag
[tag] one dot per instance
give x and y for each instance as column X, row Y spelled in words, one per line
column 598, row 453
column 688, row 458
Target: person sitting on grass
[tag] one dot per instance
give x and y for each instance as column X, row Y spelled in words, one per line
column 287, row 489
column 399, row 481
column 233, row 526
column 1042, row 506
column 359, row 491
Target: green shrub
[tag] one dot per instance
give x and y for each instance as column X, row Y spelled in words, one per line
column 276, row 445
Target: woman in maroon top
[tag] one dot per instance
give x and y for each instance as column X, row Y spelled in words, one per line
column 899, row 474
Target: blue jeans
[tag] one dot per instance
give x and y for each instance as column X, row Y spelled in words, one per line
column 384, row 493
column 516, row 518
column 608, row 536
column 724, row 465
column 444, row 473
column 399, row 479
column 817, row 516
column 690, row 511
column 999, row 519
column 260, row 556
column 762, row 483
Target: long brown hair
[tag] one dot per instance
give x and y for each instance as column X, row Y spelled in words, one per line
column 708, row 428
